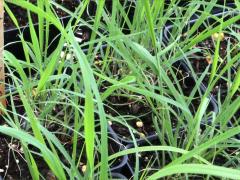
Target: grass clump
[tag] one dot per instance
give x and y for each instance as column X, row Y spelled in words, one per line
column 130, row 78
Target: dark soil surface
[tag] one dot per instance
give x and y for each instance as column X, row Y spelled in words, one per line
column 12, row 163
column 21, row 14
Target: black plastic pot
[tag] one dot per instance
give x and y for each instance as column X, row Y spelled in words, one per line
column 118, row 176
column 12, row 39
column 124, row 164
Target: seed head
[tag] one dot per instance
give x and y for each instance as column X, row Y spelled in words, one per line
column 220, row 35
column 215, row 36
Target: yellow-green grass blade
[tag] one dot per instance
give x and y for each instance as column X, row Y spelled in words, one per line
column 210, row 170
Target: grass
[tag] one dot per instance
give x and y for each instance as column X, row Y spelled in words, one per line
column 137, row 66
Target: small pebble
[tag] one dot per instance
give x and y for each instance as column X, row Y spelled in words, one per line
column 209, row 59
column 84, row 168
column 69, row 56
column 109, row 123
column 139, row 124
column 62, row 54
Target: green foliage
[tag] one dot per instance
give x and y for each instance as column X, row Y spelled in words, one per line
column 137, row 65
